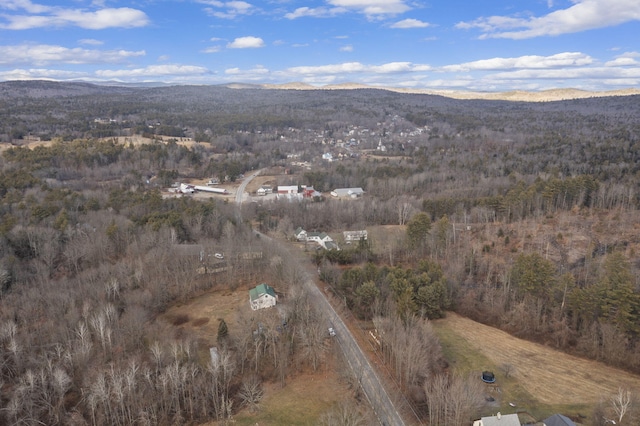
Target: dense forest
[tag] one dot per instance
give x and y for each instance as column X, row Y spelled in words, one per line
column 519, row 215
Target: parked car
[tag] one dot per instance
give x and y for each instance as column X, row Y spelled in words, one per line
column 332, row 332
column 218, row 256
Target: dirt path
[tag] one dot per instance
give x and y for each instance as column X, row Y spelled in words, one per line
column 550, row 376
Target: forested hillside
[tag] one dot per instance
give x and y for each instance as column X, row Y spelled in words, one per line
column 520, row 215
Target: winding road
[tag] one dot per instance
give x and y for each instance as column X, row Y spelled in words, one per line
column 370, row 383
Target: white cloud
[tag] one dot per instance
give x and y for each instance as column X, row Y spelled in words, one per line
column 211, row 49
column 241, row 6
column 622, row 62
column 392, row 67
column 347, row 48
column 25, row 5
column 230, row 9
column 583, row 15
column 41, row 54
column 248, row 42
column 319, row 12
column 565, row 59
column 410, row 23
column 626, row 59
column 153, row 71
column 373, row 8
column 356, row 67
column 348, row 67
column 90, row 41
column 258, row 70
column 41, row 74
column 602, row 73
column 528, row 72
column 47, row 16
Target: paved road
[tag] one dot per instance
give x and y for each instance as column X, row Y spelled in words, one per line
column 371, row 385
column 243, row 186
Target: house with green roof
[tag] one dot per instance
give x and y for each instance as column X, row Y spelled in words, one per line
column 262, row 296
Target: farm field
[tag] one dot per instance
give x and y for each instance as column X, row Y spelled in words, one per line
column 542, row 381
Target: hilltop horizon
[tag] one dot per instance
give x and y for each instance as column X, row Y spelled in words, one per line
column 455, row 45
column 516, row 95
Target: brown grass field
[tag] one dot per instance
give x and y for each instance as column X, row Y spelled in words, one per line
column 550, row 377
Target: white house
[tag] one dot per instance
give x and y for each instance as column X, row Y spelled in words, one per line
column 287, row 189
column 262, row 296
column 320, row 238
column 499, row 420
column 355, row 236
column 300, row 234
column 323, row 240
column 264, row 190
column 347, row 192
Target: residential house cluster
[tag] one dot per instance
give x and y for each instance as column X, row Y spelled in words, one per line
column 514, row 420
column 297, row 192
column 321, row 238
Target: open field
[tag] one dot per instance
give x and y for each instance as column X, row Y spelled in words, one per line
column 135, row 140
column 542, row 380
column 307, row 394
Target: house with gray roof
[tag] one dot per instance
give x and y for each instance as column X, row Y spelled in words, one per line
column 347, row 192
column 558, row 420
column 499, row 420
column 320, row 238
column 323, row 240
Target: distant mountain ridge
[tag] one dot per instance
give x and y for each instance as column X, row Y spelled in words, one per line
column 49, row 89
column 46, row 88
column 514, row 95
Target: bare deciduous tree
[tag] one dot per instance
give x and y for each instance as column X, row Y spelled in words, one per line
column 343, row 414
column 251, row 393
column 453, row 400
column 621, row 402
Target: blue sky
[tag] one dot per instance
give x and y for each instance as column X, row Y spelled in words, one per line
column 486, row 45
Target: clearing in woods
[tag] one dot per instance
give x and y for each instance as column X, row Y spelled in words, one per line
column 550, row 377
column 306, row 395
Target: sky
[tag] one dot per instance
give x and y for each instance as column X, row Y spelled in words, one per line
column 478, row 45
